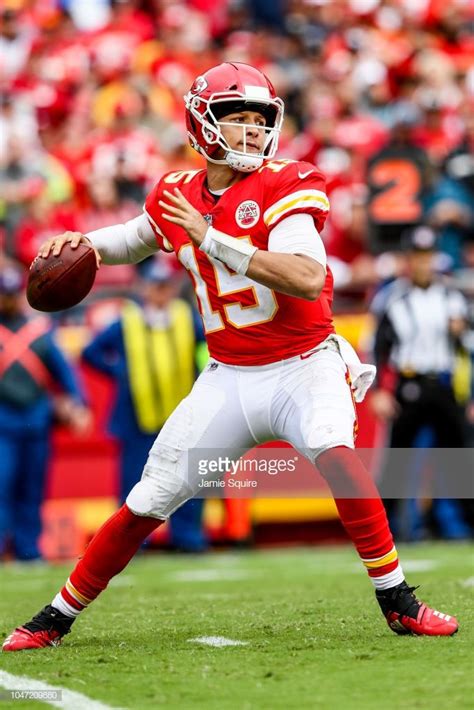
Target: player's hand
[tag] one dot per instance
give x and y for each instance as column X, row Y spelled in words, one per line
column 55, row 244
column 457, row 326
column 76, row 416
column 80, row 421
column 181, row 212
column 384, row 405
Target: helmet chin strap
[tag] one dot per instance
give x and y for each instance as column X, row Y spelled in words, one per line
column 243, row 163
column 237, row 161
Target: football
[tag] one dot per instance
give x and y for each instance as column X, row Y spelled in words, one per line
column 60, row 282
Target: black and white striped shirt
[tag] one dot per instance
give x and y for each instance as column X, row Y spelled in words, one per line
column 413, row 326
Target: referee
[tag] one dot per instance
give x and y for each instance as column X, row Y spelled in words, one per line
column 420, row 321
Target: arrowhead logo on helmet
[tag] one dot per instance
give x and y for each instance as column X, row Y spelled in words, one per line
column 199, row 85
column 224, row 89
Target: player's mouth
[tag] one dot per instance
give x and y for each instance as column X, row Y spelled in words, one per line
column 251, row 147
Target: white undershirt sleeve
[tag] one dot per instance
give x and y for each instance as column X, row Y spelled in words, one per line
column 298, row 235
column 126, row 243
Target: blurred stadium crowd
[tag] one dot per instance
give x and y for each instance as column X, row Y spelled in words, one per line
column 91, row 114
column 378, row 93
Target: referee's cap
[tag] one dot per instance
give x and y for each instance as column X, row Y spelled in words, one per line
column 421, row 238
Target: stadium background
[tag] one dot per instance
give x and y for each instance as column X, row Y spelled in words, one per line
column 91, row 115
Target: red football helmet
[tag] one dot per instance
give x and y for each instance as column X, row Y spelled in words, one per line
column 229, row 88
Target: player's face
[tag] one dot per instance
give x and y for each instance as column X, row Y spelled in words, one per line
column 159, row 295
column 244, row 131
column 421, row 266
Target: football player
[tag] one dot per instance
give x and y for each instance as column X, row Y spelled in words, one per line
column 248, row 231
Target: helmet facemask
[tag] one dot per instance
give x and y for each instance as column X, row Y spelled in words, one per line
column 219, row 105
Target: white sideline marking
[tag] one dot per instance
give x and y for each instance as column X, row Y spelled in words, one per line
column 217, row 641
column 469, row 582
column 209, row 575
column 70, row 699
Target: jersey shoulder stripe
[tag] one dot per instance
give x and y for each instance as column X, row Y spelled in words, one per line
column 296, row 200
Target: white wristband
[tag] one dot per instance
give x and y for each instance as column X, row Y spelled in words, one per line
column 233, row 252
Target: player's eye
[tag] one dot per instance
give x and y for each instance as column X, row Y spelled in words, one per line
column 260, row 122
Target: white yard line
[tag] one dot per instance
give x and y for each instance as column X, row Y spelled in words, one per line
column 469, row 582
column 217, row 641
column 70, row 700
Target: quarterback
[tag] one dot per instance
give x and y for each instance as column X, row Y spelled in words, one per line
column 248, row 231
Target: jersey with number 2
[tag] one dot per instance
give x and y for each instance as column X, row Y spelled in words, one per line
column 245, row 322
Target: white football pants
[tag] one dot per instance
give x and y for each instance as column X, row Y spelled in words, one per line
column 305, row 400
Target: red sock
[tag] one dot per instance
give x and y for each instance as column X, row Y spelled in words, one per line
column 109, row 551
column 362, row 513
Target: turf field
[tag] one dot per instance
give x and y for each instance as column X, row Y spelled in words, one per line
column 313, row 634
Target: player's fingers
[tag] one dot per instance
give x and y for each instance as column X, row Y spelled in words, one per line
column 98, row 258
column 187, row 206
column 173, row 218
column 74, row 238
column 180, row 196
column 58, row 245
column 55, row 244
column 172, row 209
column 44, row 249
column 173, row 202
column 87, row 241
column 48, row 246
column 168, row 206
column 177, row 197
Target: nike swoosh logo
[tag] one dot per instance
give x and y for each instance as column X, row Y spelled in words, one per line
column 303, row 175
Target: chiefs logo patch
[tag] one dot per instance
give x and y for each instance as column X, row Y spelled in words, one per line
column 199, row 85
column 247, row 213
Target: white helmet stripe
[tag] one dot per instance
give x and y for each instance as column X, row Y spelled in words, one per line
column 256, row 92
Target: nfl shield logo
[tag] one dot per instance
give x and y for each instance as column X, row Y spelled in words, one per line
column 247, row 214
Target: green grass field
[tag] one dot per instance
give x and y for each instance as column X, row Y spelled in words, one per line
column 313, row 632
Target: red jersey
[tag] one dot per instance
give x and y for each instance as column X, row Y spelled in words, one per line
column 245, row 322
